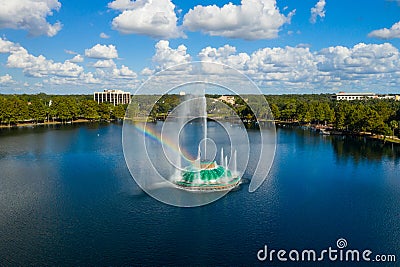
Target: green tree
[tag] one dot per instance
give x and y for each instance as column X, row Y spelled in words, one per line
column 119, row 111
column 89, row 109
column 15, row 110
column 64, row 108
column 373, row 121
column 63, row 111
column 355, row 118
column 289, row 111
column 340, row 116
column 275, row 111
column 52, row 109
column 2, row 109
column 384, row 109
column 37, row 110
column 319, row 113
column 305, row 112
column 394, row 125
column 72, row 105
column 105, row 111
column 329, row 114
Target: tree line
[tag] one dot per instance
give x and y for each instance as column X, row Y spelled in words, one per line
column 376, row 116
column 55, row 108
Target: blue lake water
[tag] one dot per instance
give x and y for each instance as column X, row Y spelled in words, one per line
column 67, row 198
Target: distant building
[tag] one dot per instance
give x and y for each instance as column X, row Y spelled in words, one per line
column 387, row 97
column 227, row 99
column 115, row 97
column 353, row 96
column 361, row 96
column 393, row 97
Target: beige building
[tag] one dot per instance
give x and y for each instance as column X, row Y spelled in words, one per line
column 227, row 99
column 115, row 97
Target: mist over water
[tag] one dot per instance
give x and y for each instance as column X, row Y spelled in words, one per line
column 67, row 198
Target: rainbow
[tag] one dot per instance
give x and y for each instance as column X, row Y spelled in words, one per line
column 151, row 133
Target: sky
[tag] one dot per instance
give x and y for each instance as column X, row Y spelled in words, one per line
column 284, row 46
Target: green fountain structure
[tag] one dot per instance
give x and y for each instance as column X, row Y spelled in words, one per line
column 208, row 176
column 202, row 174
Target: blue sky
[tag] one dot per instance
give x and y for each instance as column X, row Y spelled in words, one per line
column 285, row 46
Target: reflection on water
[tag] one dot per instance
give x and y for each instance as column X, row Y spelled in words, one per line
column 361, row 148
column 67, row 199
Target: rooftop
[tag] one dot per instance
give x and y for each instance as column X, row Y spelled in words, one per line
column 354, row 94
column 113, row 91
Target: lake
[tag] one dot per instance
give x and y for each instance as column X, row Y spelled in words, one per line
column 67, row 198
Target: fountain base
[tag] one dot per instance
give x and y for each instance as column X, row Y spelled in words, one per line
column 209, row 177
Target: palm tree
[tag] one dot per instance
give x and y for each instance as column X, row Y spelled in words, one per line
column 394, row 125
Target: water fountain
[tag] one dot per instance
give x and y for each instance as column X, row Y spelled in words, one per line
column 203, row 174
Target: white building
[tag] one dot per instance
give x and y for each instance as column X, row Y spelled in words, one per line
column 361, row 96
column 353, row 96
column 392, row 97
column 115, row 97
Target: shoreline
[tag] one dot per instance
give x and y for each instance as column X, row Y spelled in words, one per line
column 32, row 124
column 384, row 139
column 327, row 130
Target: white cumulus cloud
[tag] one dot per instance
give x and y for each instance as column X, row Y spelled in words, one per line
column 77, row 59
column 166, row 56
column 147, row 72
column 288, row 64
column 318, row 11
column 253, row 19
column 124, row 72
column 107, row 63
column 155, row 18
column 30, row 15
column 67, row 75
column 7, row 46
column 297, row 68
column 122, row 5
column 6, row 79
column 102, row 52
column 385, row 33
column 39, row 66
column 362, row 60
column 226, row 55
